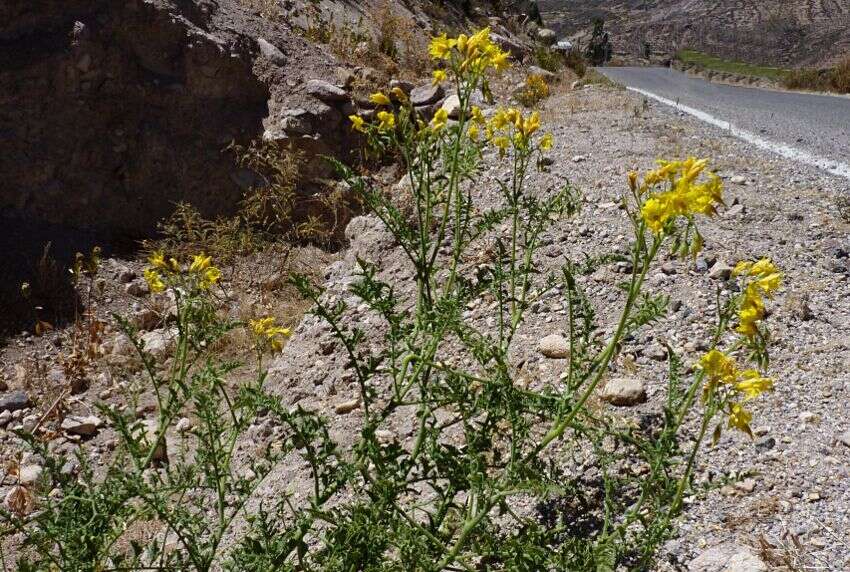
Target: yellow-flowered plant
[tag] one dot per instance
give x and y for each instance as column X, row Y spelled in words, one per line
column 267, row 334
column 534, row 91
column 762, row 280
column 729, row 385
column 165, row 272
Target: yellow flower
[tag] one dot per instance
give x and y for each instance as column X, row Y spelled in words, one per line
column 763, row 267
column 200, row 262
column 440, row 47
column 502, row 143
column 499, row 60
column 500, row 120
column 547, row 141
column 399, row 94
column 654, row 211
column 473, row 132
column 718, row 367
column 157, row 260
column 357, row 123
column 379, row 98
column 211, row 276
column 477, row 115
column 739, row 418
column 633, row 181
column 439, row 76
column 685, row 197
column 753, row 384
column 154, row 281
column 387, row 121
column 267, row 332
column 531, row 124
column 743, row 267
column 440, row 119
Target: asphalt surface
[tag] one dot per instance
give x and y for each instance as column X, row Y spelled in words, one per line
column 816, row 124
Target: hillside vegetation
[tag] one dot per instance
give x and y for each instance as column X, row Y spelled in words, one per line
column 786, row 33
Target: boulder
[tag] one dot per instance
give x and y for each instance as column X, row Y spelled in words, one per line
column 545, row 74
column 516, row 49
column 271, row 52
column 324, row 91
column 546, row 36
column 452, row 106
column 14, row 400
column 720, row 271
column 426, row 94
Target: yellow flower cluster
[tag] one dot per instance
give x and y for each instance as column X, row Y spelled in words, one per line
column 200, row 268
column 764, row 280
column 267, row 332
column 510, row 127
column 685, row 196
column 475, row 53
column 722, row 371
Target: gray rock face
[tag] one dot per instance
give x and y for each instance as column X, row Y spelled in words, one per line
column 554, row 346
column 14, row 401
column 325, row 91
column 727, row 557
column 624, row 391
column 296, row 121
column 426, row 94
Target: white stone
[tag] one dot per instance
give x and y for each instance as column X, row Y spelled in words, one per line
column 624, row 391
column 554, row 346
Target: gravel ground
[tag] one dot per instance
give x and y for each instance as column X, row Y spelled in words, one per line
column 793, row 479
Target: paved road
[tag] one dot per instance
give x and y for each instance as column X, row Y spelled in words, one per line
column 816, row 125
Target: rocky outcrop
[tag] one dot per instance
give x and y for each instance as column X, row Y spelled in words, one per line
column 114, row 111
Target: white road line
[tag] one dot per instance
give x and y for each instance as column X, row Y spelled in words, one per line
column 834, row 167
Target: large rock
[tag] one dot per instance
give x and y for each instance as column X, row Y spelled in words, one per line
column 85, row 426
column 452, row 106
column 727, row 557
column 14, row 400
column 517, row 50
column 426, row 94
column 325, row 91
column 624, row 391
column 271, row 52
column 124, row 108
column 547, row 36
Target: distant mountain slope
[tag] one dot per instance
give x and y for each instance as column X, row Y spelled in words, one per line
column 773, row 32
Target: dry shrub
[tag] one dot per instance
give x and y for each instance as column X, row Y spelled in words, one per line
column 399, row 40
column 549, row 59
column 835, row 79
column 841, row 76
column 535, row 90
column 271, row 212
